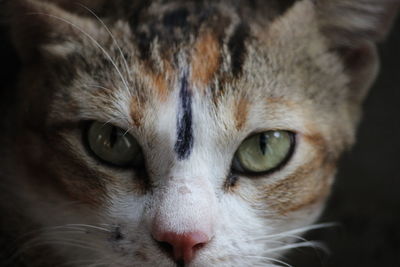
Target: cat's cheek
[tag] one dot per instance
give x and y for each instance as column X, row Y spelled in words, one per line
column 53, row 166
column 299, row 190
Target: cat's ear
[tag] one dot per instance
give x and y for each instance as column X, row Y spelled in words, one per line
column 348, row 22
column 349, row 29
column 353, row 27
column 40, row 29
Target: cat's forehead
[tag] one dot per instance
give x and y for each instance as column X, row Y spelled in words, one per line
column 214, row 44
column 231, row 62
column 202, row 40
column 218, row 49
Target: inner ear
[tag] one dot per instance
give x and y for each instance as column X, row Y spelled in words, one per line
column 361, row 64
column 352, row 28
column 346, row 22
column 285, row 5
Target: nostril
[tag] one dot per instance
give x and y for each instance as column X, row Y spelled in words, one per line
column 166, row 247
column 199, row 246
column 180, row 263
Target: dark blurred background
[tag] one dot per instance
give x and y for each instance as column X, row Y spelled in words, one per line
column 366, row 197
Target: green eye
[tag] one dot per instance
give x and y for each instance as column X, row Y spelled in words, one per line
column 113, row 145
column 263, row 152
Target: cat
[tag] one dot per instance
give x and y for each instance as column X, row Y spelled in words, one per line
column 179, row 133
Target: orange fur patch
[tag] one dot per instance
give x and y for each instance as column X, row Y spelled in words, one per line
column 206, row 59
column 309, row 184
column 160, row 84
column 161, row 81
column 320, row 144
column 280, row 101
column 304, row 187
column 241, row 113
column 136, row 112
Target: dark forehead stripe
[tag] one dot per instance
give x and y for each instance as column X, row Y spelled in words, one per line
column 237, row 48
column 174, row 24
column 176, row 18
column 143, row 38
column 184, row 142
column 170, row 27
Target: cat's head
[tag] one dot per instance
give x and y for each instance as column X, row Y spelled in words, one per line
column 177, row 131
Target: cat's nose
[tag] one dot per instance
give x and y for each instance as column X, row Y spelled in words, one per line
column 181, row 247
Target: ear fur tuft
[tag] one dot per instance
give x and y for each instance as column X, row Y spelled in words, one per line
column 352, row 28
column 349, row 22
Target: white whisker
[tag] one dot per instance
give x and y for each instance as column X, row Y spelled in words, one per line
column 269, row 239
column 112, row 36
column 301, row 230
column 87, row 226
column 67, row 228
column 37, row 242
column 127, row 131
column 312, row 244
column 50, row 235
column 62, row 243
column 96, row 86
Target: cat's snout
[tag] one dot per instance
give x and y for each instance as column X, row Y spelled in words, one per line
column 181, row 247
column 184, row 215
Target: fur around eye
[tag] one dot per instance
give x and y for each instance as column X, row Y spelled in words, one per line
column 113, row 145
column 264, row 152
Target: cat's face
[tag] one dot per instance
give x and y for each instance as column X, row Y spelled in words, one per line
column 185, row 134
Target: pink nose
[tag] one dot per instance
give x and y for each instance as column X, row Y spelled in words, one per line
column 181, row 247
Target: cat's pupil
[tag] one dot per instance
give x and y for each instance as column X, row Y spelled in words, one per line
column 113, row 137
column 263, row 143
